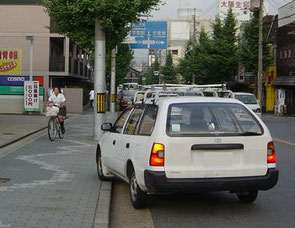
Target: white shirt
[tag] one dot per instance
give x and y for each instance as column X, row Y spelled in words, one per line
column 91, row 94
column 57, row 100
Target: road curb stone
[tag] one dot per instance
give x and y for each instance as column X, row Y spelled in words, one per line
column 102, row 213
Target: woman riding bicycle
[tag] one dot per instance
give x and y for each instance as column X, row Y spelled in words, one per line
column 57, row 99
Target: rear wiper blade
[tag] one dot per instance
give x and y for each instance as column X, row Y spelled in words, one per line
column 249, row 133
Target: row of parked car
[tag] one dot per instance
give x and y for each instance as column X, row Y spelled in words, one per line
column 137, row 94
column 167, row 143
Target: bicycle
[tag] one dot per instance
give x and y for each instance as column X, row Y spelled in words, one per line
column 54, row 127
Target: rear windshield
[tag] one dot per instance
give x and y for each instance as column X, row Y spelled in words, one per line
column 211, row 119
column 246, row 99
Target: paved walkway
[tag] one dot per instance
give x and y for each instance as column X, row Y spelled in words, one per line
column 13, row 127
column 51, row 184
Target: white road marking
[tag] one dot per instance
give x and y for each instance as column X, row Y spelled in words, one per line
column 59, row 176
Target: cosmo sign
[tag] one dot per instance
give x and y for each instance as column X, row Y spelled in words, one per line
column 241, row 9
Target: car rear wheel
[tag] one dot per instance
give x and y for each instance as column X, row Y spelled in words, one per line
column 137, row 196
column 247, row 197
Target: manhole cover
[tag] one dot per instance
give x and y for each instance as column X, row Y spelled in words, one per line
column 7, row 133
column 4, row 180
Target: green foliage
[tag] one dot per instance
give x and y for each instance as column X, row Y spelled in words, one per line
column 76, row 18
column 213, row 60
column 248, row 49
column 150, row 77
column 169, row 72
column 123, row 60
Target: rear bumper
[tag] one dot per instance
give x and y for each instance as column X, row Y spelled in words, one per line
column 157, row 182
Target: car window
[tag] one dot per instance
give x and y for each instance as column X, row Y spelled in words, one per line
column 247, row 99
column 211, row 119
column 132, row 122
column 148, row 120
column 121, row 120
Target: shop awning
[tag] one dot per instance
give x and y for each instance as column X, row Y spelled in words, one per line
column 285, row 81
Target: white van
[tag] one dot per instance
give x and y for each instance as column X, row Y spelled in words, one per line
column 250, row 101
column 188, row 144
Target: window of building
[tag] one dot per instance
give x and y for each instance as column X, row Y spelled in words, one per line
column 174, row 52
column 285, row 54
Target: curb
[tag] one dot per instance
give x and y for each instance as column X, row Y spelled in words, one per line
column 103, row 207
column 25, row 136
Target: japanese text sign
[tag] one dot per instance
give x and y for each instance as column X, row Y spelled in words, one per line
column 10, row 61
column 31, row 96
column 241, row 9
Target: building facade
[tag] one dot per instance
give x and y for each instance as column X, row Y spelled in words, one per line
column 285, row 81
column 57, row 59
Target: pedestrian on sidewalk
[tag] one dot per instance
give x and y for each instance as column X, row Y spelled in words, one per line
column 91, row 98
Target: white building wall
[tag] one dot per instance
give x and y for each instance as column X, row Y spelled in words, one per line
column 286, row 14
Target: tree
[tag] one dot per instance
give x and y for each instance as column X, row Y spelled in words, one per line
column 123, row 61
column 76, row 18
column 168, row 71
column 150, row 77
column 198, row 59
column 215, row 59
column 248, row 48
column 225, row 50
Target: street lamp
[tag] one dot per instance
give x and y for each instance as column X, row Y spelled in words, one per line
column 31, row 39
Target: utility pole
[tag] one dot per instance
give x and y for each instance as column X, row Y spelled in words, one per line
column 113, row 80
column 31, row 39
column 260, row 53
column 194, row 29
column 99, row 81
column 194, row 41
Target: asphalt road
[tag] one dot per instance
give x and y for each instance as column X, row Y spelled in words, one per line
column 273, row 208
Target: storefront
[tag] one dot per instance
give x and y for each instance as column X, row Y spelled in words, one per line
column 270, row 89
column 285, row 90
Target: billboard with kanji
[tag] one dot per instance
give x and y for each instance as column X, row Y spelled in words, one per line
column 241, row 9
column 10, row 61
column 31, row 96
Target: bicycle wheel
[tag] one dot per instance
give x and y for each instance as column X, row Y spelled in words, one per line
column 52, row 131
column 60, row 134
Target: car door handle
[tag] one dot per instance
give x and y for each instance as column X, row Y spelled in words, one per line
column 127, row 145
column 114, row 142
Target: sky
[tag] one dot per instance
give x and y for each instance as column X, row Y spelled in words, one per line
column 209, row 8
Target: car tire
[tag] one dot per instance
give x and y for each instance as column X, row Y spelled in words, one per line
column 247, row 197
column 100, row 168
column 137, row 196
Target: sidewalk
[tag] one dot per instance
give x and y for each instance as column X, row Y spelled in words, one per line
column 13, row 127
column 52, row 184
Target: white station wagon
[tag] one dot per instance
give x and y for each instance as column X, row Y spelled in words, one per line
column 188, row 144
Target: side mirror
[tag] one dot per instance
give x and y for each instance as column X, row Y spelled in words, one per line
column 106, row 127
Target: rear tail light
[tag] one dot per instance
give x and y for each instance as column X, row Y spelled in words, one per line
column 271, row 153
column 157, row 155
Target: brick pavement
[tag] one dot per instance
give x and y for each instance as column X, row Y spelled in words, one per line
column 52, row 184
column 15, row 126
